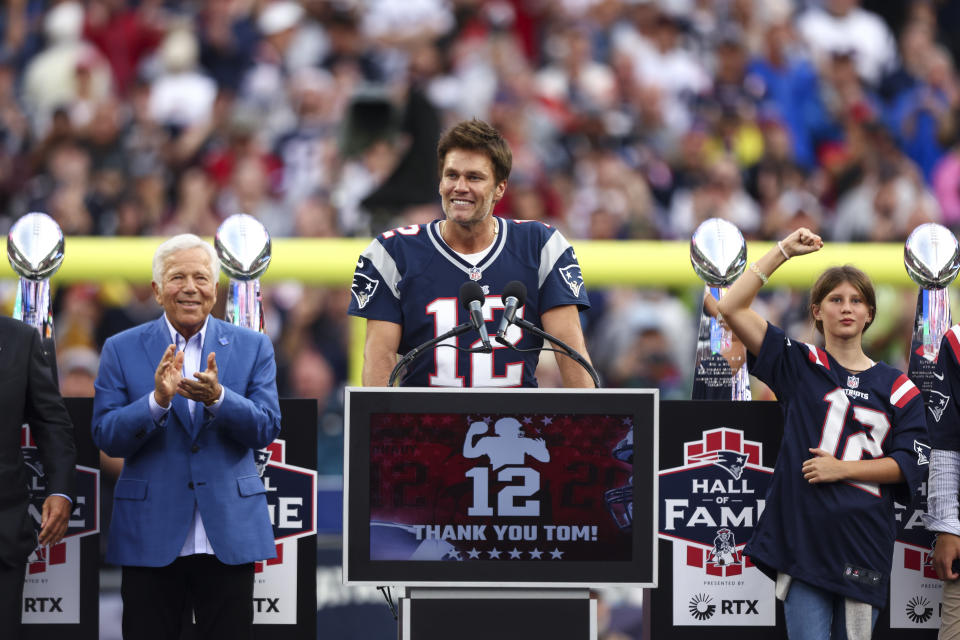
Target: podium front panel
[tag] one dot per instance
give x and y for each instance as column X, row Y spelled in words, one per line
column 500, row 487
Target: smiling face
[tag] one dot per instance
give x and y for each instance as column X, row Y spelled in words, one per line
column 187, row 290
column 844, row 312
column 468, row 188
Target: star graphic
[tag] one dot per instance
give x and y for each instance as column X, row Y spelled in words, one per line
column 494, row 553
column 556, row 554
column 527, row 420
column 369, row 287
column 474, row 554
column 487, row 419
column 536, row 553
column 547, row 420
column 628, row 421
column 515, row 554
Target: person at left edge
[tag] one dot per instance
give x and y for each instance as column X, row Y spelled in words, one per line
column 29, row 394
column 407, row 280
column 186, row 400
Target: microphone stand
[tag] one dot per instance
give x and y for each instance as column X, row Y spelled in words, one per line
column 411, row 355
column 568, row 350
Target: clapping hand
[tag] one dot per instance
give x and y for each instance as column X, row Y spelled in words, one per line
column 206, row 388
column 168, row 376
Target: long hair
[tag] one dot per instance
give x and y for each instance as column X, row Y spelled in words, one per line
column 833, row 278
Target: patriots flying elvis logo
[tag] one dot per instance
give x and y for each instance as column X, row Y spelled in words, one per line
column 937, row 404
column 573, row 277
column 363, row 289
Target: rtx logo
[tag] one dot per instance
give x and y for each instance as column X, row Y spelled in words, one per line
column 919, row 609
column 702, row 607
column 266, row 605
column 739, row 607
column 42, row 605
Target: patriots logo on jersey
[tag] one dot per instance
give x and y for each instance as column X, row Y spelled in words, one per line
column 937, row 404
column 363, row 289
column 573, row 277
column 923, row 452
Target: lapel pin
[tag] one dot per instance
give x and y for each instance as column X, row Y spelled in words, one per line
column 224, row 341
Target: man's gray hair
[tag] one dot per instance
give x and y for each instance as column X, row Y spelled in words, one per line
column 180, row 243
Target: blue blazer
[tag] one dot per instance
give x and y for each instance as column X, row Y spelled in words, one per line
column 189, row 459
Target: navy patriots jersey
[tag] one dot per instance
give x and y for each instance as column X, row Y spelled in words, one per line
column 943, row 414
column 411, row 277
column 837, row 536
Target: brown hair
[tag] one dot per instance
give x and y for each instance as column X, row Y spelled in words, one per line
column 833, row 278
column 477, row 135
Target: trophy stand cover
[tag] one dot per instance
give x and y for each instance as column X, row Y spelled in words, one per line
column 284, row 587
column 60, row 590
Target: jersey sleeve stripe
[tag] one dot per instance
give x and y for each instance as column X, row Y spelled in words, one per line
column 384, row 265
column 551, row 252
column 954, row 339
column 817, row 355
column 903, row 392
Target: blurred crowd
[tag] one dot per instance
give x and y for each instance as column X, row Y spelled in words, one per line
column 628, row 119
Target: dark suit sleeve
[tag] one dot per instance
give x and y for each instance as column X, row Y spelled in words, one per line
column 49, row 423
column 251, row 416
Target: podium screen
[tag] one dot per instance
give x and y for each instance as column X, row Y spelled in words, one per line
column 491, row 487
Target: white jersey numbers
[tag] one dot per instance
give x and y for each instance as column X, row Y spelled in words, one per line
column 869, row 441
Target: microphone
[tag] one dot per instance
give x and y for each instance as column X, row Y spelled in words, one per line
column 514, row 296
column 471, row 298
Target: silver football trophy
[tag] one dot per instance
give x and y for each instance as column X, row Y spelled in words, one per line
column 243, row 245
column 35, row 251
column 718, row 253
column 932, row 258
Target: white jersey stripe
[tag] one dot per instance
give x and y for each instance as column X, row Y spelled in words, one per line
column 814, row 354
column 902, row 390
column 385, row 265
column 551, row 252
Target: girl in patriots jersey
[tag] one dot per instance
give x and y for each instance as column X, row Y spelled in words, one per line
column 848, row 452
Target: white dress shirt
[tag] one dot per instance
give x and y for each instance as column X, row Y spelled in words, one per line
column 197, row 541
column 942, row 504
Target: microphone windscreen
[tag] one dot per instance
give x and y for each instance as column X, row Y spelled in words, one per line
column 470, row 291
column 515, row 289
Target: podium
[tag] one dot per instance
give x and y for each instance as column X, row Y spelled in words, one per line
column 498, row 510
column 505, row 614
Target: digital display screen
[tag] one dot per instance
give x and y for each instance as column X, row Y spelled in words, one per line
column 477, row 485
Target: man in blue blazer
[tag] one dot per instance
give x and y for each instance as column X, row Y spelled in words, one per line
column 186, row 400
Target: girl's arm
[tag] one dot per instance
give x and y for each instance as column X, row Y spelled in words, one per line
column 823, row 467
column 734, row 306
